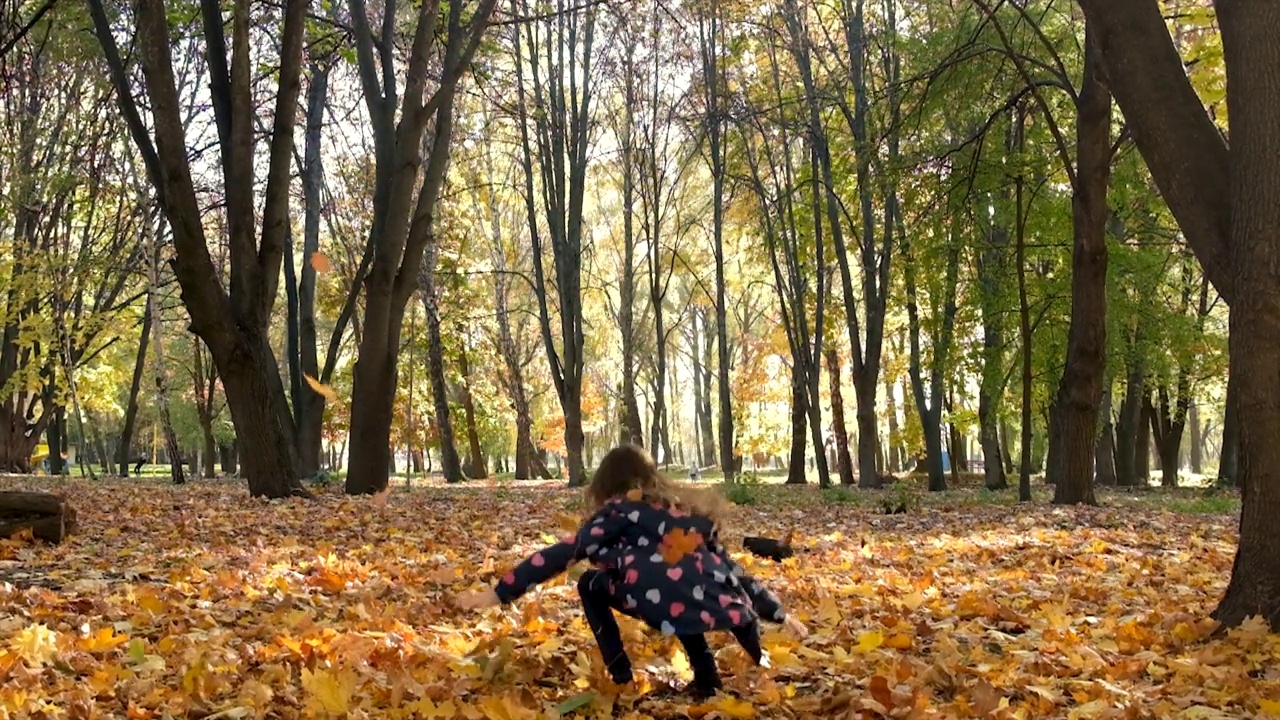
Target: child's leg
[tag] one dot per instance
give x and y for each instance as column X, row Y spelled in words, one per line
column 749, row 638
column 706, row 679
column 597, row 605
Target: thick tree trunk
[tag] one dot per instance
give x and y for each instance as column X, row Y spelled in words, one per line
column 227, row 457
column 1127, row 429
column 1253, row 76
column 124, row 455
column 1080, row 391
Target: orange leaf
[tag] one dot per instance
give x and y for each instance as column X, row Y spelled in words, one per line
column 677, row 543
column 321, row 388
column 320, row 262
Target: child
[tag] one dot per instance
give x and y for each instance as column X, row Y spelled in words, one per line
column 658, row 559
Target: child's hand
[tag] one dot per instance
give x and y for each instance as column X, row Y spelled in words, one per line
column 795, row 627
column 477, row 599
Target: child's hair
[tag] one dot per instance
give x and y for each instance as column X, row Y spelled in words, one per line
column 629, row 467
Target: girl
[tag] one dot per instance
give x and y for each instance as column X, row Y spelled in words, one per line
column 658, row 559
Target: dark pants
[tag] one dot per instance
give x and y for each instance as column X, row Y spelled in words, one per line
column 598, row 604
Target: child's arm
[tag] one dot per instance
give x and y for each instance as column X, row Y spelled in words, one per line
column 555, row 559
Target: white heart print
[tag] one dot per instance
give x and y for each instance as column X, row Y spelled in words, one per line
column 653, row 596
column 634, row 516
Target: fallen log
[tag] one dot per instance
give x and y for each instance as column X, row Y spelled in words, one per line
column 49, row 516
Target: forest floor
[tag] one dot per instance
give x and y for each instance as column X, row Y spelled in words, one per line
column 196, row 601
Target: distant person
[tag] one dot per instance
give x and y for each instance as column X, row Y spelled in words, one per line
column 658, row 559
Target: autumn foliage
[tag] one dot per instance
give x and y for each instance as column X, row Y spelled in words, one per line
column 196, row 601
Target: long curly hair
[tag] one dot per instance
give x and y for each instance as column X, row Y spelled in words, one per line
column 628, row 468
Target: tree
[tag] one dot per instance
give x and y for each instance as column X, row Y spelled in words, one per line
column 232, row 320
column 406, row 188
column 1227, row 203
column 554, row 139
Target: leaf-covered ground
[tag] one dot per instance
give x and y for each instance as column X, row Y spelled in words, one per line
column 198, row 602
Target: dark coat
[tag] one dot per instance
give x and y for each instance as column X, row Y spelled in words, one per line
column 665, row 567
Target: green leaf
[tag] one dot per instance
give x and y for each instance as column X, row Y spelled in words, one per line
column 136, row 652
column 575, row 702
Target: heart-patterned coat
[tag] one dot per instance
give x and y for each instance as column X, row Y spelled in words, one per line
column 665, row 567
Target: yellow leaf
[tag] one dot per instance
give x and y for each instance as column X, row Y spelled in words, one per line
column 869, row 641
column 330, row 691
column 105, row 639
column 321, row 388
column 501, row 708
column 425, row 708
column 1270, row 707
column 36, row 644
column 735, row 708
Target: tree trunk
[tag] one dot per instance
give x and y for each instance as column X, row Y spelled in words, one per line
column 309, row 405
column 227, row 457
column 714, row 87
column 1229, row 457
column 1024, row 317
column 1127, row 429
column 894, row 453
column 450, row 463
column 55, row 436
column 1142, row 444
column 992, row 267
column 1104, row 454
column 475, row 467
column 844, row 462
column 1080, row 390
column 704, row 380
column 124, row 455
column 1253, row 75
column 799, row 415
column 1197, row 439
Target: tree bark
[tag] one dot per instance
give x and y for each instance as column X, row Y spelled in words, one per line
column 450, row 463
column 475, row 467
column 844, row 462
column 1131, row 416
column 124, row 452
column 1229, row 457
column 799, row 414
column 1197, row 439
column 1080, row 390
column 1104, row 453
